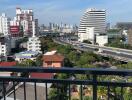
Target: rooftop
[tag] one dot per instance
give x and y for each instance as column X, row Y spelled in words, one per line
column 7, row 64
column 51, row 52
column 41, row 75
column 55, row 57
column 26, row 54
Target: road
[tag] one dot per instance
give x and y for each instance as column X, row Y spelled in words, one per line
column 117, row 53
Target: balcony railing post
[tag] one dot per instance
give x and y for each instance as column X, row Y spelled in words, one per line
column 10, row 85
column 24, row 90
column 122, row 98
column 81, row 92
column 94, row 87
column 46, row 91
column 35, row 90
column 58, row 91
column 69, row 91
column 14, row 90
column 108, row 93
column 4, row 90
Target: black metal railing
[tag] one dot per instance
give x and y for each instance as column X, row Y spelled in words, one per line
column 109, row 79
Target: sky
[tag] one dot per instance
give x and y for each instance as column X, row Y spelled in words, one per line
column 69, row 11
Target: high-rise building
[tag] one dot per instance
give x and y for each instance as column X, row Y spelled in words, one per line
column 4, row 24
column 25, row 17
column 36, row 27
column 129, row 37
column 107, row 26
column 16, row 29
column 92, row 18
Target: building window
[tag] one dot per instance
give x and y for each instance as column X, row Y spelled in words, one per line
column 49, row 63
column 2, row 54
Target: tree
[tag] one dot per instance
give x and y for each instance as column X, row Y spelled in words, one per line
column 87, row 41
column 73, row 56
column 125, row 66
column 57, row 94
column 26, row 63
column 86, row 58
column 68, row 63
column 39, row 60
column 59, row 91
column 64, row 49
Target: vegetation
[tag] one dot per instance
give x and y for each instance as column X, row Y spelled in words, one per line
column 26, row 63
column 59, row 91
column 39, row 60
column 82, row 59
column 114, row 30
column 77, row 59
column 87, row 41
column 119, row 43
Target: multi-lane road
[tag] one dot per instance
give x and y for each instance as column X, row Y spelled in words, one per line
column 117, row 53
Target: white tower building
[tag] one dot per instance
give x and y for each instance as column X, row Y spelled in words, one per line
column 4, row 47
column 33, row 43
column 92, row 18
column 4, row 24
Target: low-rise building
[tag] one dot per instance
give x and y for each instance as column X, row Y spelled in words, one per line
column 22, row 56
column 101, row 40
column 89, row 35
column 52, row 59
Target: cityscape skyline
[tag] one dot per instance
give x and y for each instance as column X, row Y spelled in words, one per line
column 69, row 12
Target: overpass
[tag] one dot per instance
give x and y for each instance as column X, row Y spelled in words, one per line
column 117, row 53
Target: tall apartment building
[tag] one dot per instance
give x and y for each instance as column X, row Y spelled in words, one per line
column 129, row 36
column 36, row 27
column 25, row 18
column 4, row 24
column 16, row 29
column 33, row 43
column 92, row 18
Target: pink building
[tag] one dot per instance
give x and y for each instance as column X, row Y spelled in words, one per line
column 25, row 18
column 50, row 59
column 54, row 60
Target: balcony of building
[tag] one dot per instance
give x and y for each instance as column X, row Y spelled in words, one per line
column 36, row 83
